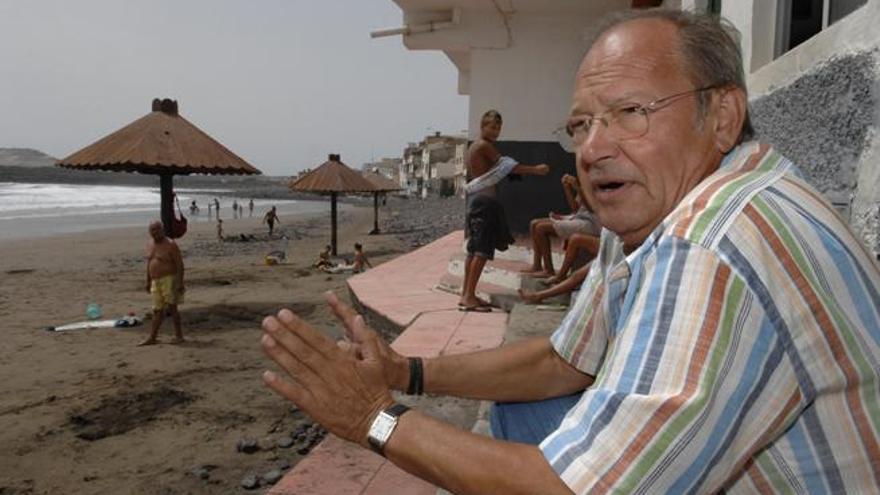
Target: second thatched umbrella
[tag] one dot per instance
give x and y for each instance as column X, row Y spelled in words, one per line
column 161, row 143
column 383, row 185
column 332, row 177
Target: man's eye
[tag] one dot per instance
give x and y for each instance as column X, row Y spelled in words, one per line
column 629, row 110
column 576, row 126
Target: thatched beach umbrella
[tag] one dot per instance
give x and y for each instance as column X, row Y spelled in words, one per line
column 161, row 143
column 332, row 177
column 383, row 185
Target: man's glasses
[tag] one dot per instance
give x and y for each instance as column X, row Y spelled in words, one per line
column 627, row 121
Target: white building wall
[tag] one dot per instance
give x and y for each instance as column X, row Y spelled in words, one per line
column 529, row 83
column 519, row 58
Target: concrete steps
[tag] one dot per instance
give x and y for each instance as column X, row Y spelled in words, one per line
column 523, row 251
column 501, row 277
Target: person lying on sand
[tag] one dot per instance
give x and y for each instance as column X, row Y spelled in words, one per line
column 164, row 282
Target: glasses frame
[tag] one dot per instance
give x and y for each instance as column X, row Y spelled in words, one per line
column 569, row 129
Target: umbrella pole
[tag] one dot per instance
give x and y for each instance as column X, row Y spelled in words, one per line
column 333, row 223
column 375, row 214
column 166, row 189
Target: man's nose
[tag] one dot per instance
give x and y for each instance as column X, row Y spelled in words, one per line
column 597, row 145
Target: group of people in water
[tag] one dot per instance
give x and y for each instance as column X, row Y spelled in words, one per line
column 214, row 208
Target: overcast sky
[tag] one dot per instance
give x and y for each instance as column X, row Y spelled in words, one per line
column 282, row 83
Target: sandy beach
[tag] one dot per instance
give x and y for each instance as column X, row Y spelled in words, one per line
column 89, row 412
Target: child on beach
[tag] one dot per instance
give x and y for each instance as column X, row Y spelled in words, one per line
column 324, row 258
column 220, row 229
column 270, row 219
column 486, row 224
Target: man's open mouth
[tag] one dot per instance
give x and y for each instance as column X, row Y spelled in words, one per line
column 610, row 186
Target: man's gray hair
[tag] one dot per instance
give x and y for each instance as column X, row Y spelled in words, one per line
column 710, row 51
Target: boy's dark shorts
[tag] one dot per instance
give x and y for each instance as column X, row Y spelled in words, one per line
column 486, row 227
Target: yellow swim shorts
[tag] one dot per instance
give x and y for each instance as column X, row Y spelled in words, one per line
column 165, row 292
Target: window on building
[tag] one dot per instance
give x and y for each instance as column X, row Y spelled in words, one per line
column 714, row 7
column 800, row 20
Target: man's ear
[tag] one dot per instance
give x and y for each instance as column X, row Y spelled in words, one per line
column 730, row 113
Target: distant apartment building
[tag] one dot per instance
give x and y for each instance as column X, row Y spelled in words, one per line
column 429, row 167
column 460, row 169
column 386, row 167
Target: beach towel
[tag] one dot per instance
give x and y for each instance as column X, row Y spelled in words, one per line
column 501, row 170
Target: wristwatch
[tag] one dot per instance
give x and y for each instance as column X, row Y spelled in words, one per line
column 383, row 426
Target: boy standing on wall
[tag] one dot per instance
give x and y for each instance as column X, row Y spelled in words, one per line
column 486, row 224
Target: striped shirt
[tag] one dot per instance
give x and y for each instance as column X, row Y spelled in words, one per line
column 736, row 349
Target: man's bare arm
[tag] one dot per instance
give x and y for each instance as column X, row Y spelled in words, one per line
column 344, row 392
column 463, row 462
column 151, row 249
column 569, row 188
column 525, row 370
column 540, row 169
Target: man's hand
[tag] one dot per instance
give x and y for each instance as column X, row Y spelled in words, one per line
column 341, row 391
column 395, row 367
column 542, row 169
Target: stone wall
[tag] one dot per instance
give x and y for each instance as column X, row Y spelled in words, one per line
column 826, row 122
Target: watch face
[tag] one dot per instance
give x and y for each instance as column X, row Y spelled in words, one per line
column 382, row 427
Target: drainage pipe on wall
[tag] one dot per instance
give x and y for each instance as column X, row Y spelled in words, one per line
column 422, row 27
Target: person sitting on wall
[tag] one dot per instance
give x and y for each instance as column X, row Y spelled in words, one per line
column 580, row 221
column 486, row 224
column 561, row 283
column 726, row 338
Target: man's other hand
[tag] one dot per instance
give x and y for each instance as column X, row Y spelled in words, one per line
column 340, row 391
column 395, row 366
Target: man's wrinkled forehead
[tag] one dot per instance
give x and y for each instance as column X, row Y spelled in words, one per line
column 642, row 48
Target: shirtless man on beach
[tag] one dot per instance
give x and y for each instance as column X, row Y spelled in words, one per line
column 164, row 282
column 486, row 224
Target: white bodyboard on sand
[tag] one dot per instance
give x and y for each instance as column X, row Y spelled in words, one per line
column 129, row 321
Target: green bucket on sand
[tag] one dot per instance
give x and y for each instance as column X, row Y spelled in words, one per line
column 93, row 311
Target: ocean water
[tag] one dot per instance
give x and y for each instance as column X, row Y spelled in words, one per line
column 38, row 210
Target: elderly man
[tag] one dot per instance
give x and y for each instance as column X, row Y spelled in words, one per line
column 164, row 282
column 726, row 338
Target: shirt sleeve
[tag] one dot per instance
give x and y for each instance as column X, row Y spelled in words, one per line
column 694, row 382
column 581, row 338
